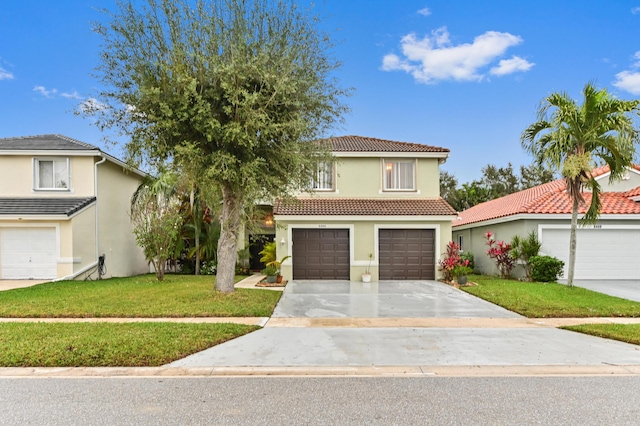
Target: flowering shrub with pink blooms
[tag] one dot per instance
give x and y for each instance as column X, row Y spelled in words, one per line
column 499, row 251
column 452, row 265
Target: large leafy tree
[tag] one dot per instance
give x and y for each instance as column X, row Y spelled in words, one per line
column 573, row 139
column 244, row 86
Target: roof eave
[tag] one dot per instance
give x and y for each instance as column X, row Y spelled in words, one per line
column 391, row 154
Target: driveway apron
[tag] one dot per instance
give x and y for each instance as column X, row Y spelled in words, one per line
column 400, row 310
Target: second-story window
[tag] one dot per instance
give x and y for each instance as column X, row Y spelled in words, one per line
column 52, row 173
column 323, row 180
column 399, row 175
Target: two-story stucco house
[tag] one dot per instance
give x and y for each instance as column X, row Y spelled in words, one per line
column 63, row 204
column 378, row 204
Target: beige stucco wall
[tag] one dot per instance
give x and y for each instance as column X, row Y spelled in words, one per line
column 17, row 177
column 115, row 235
column 362, row 177
column 84, row 240
column 363, row 237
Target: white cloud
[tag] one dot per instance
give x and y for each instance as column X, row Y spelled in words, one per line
column 5, row 75
column 509, row 66
column 635, row 10
column 628, row 81
column 91, row 105
column 72, row 95
column 434, row 58
column 424, row 11
column 44, row 92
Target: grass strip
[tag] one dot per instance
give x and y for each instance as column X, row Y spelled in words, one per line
column 141, row 296
column 108, row 345
column 629, row 333
column 550, row 300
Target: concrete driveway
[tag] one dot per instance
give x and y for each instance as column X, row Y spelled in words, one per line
column 13, row 284
column 422, row 323
column 626, row 289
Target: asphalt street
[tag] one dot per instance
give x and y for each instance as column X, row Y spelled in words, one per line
column 321, row 401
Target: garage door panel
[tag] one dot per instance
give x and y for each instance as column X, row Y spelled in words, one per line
column 28, row 253
column 320, row 254
column 600, row 254
column 406, row 253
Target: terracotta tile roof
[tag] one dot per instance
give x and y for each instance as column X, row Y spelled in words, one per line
column 635, row 192
column 363, row 207
column 549, row 198
column 365, row 144
column 43, row 206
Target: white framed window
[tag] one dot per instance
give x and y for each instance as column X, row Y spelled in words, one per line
column 323, row 180
column 52, row 173
column 399, row 175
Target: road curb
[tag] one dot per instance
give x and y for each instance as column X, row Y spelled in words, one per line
column 326, row 371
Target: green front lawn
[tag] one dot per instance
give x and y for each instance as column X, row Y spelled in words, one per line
column 108, row 345
column 629, row 333
column 546, row 300
column 140, row 296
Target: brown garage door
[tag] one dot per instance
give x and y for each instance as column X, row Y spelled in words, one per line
column 320, row 254
column 407, row 254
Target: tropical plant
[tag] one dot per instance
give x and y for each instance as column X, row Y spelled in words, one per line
column 268, row 253
column 278, row 263
column 461, row 269
column 573, row 139
column 500, row 252
column 450, row 260
column 368, row 270
column 524, row 249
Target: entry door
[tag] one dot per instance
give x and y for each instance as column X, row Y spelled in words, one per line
column 28, row 253
column 320, row 254
column 407, row 254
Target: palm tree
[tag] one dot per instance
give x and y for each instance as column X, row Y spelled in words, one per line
column 573, row 139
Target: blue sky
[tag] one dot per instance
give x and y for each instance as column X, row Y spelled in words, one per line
column 465, row 75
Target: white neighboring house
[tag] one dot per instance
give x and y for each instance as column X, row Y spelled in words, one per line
column 610, row 249
column 63, row 204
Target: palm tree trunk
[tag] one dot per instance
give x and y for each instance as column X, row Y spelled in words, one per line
column 572, row 242
column 228, row 242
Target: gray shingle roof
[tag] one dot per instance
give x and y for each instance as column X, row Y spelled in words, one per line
column 43, row 206
column 365, row 144
column 363, row 207
column 44, row 142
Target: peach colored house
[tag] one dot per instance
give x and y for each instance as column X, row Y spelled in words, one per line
column 63, row 205
column 610, row 249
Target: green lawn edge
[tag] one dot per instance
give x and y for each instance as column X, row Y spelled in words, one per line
column 108, row 345
column 550, row 300
column 136, row 297
column 628, row 333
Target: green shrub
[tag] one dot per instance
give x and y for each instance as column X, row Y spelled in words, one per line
column 524, row 249
column 467, row 255
column 545, row 268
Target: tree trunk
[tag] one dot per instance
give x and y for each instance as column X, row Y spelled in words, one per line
column 228, row 242
column 196, row 227
column 572, row 242
column 197, row 232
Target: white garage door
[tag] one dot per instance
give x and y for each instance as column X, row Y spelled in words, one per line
column 28, row 253
column 601, row 253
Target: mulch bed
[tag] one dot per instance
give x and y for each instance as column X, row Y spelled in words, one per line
column 266, row 284
column 453, row 283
